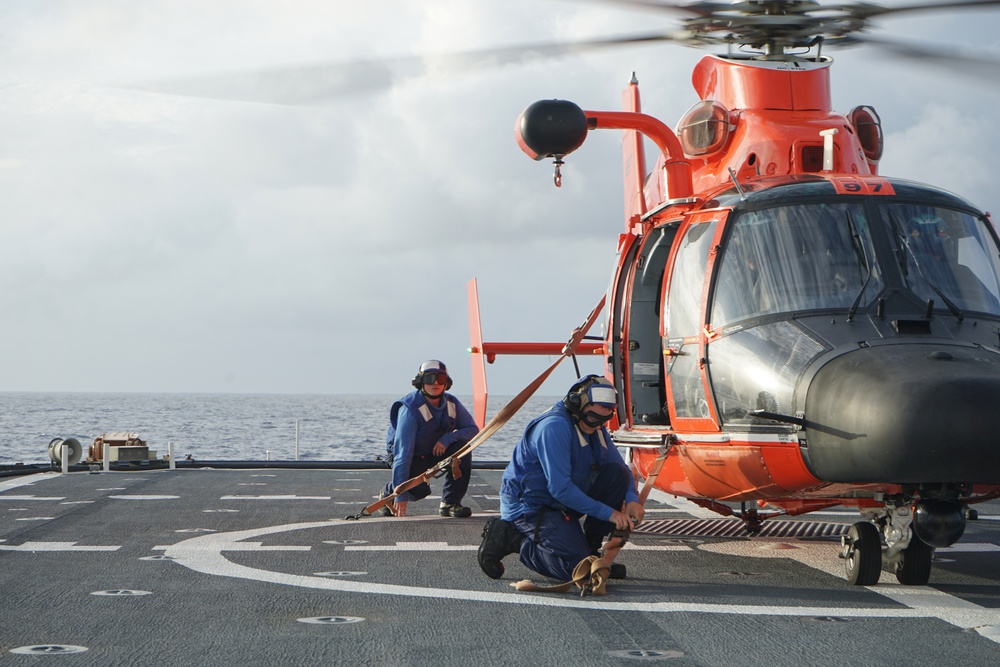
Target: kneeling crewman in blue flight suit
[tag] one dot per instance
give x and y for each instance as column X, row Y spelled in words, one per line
column 564, row 468
column 427, row 426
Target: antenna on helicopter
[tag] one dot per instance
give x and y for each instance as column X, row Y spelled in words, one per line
column 736, row 182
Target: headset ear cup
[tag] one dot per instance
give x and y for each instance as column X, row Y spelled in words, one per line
column 448, row 384
column 572, row 402
column 416, row 381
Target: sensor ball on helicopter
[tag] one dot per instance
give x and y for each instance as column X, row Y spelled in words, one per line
column 786, row 326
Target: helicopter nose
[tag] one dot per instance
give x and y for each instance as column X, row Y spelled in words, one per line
column 905, row 413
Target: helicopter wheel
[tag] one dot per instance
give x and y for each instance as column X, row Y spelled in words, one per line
column 914, row 569
column 863, row 554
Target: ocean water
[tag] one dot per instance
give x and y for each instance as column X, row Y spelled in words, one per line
column 236, row 427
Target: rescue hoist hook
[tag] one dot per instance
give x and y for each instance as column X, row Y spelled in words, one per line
column 557, row 176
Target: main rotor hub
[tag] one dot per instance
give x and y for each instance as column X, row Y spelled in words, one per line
column 771, row 25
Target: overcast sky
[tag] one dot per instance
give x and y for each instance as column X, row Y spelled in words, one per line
column 155, row 242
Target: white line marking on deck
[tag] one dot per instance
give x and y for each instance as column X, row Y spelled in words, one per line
column 205, row 554
column 27, row 480
column 32, row 498
column 291, row 497
column 968, row 547
column 923, row 599
column 53, row 546
column 414, row 546
column 239, row 546
column 144, row 497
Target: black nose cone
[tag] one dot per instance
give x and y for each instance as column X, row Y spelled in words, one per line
column 906, row 414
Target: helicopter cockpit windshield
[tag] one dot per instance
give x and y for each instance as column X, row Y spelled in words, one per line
column 796, row 258
column 946, row 255
column 783, row 263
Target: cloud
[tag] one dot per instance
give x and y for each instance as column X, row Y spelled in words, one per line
column 162, row 243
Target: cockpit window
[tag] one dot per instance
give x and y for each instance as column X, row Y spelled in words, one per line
column 946, row 254
column 796, row 258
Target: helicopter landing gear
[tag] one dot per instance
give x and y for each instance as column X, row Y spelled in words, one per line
column 906, row 555
column 913, row 567
column 862, row 554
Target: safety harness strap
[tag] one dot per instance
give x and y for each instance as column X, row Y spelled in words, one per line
column 654, row 471
column 590, row 576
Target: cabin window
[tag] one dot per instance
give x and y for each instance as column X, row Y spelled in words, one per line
column 685, row 321
column 793, row 259
column 946, row 253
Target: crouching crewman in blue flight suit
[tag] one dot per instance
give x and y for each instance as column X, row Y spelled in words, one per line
column 425, row 427
column 564, row 468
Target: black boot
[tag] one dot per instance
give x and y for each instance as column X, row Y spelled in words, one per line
column 500, row 538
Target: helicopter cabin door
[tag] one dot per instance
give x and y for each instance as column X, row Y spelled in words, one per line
column 684, row 328
column 647, row 392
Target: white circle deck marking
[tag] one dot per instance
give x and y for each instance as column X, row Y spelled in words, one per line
column 49, row 649
column 331, row 620
column 205, row 554
column 646, row 654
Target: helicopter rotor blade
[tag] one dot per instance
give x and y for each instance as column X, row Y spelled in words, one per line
column 980, row 66
column 316, row 84
column 701, row 9
column 865, row 10
column 861, row 10
column 776, row 24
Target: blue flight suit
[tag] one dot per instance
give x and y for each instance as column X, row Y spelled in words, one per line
column 557, row 475
column 416, row 427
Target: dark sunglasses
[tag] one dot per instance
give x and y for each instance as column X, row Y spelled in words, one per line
column 434, row 378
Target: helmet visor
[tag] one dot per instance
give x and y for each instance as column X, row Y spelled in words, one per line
column 434, row 378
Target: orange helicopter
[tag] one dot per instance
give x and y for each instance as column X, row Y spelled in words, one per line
column 787, row 328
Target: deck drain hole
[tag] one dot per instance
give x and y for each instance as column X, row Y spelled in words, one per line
column 123, row 592
column 827, row 619
column 646, row 654
column 220, row 510
column 345, row 541
column 48, row 649
column 744, row 574
column 339, row 574
column 331, row 620
column 157, row 558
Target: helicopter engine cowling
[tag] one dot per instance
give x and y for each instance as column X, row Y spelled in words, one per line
column 551, row 128
column 905, row 414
